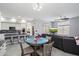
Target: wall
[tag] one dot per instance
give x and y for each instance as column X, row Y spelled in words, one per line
column 46, row 27
column 38, row 26
column 54, row 24
column 41, row 26
column 23, row 25
column 17, row 25
column 74, row 26
column 0, row 25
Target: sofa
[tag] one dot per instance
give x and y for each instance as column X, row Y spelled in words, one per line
column 65, row 43
column 58, row 41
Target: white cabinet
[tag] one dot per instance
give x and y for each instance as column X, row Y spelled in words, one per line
column 2, row 45
column 64, row 27
column 3, row 49
column 6, row 25
column 0, row 25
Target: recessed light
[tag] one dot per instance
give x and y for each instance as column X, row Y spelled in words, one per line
column 13, row 20
column 2, row 19
column 23, row 21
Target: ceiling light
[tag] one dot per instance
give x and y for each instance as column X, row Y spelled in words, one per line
column 37, row 7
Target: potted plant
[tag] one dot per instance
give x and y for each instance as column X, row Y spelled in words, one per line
column 53, row 30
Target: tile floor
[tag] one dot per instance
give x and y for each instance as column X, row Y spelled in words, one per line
column 14, row 50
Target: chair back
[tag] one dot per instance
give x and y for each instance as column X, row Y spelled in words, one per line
column 43, row 35
column 47, row 49
column 49, row 39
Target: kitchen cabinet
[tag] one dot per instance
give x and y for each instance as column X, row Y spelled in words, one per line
column 2, row 45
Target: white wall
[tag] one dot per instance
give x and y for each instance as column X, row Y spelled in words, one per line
column 39, row 25
column 74, row 29
column 23, row 25
column 0, row 25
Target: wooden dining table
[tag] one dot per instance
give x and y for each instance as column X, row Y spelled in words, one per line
column 35, row 42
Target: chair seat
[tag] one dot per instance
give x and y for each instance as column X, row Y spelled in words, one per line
column 28, row 50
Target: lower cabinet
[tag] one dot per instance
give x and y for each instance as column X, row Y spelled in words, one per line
column 3, row 49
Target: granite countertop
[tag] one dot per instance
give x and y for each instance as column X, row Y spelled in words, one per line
column 1, row 42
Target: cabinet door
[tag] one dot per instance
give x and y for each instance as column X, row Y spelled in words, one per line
column 2, row 37
column 63, row 30
column 4, row 46
column 3, row 49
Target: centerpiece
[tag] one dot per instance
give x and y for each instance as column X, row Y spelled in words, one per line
column 53, row 30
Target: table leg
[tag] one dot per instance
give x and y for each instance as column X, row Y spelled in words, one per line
column 34, row 50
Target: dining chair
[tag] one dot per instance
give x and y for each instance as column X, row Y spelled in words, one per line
column 26, row 51
column 46, row 50
column 43, row 35
column 49, row 38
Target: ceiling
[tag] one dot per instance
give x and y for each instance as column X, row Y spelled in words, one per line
column 48, row 11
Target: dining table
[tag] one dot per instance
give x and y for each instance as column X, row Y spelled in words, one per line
column 35, row 42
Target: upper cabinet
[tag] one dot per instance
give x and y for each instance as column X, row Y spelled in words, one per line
column 6, row 25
